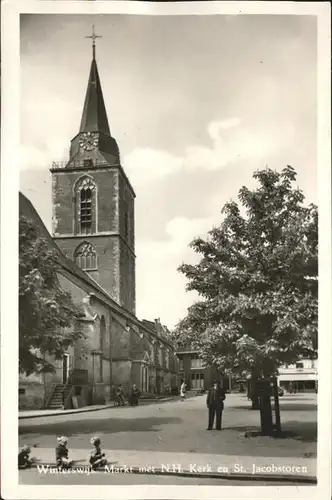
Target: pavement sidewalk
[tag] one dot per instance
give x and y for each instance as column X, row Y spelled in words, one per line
column 50, row 413
column 187, row 464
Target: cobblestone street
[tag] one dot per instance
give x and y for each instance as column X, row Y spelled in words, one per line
column 181, row 427
column 177, row 431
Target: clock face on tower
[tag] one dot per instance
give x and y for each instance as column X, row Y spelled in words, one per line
column 89, row 141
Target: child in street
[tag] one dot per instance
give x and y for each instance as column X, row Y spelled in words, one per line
column 97, row 457
column 61, row 453
column 24, row 460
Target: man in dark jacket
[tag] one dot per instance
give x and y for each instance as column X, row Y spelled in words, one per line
column 215, row 404
column 134, row 395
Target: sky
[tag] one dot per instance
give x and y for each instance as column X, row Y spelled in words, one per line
column 196, row 104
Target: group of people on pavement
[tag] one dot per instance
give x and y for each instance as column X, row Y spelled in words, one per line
column 97, row 458
column 133, row 399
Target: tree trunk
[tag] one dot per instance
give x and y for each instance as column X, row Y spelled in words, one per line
column 253, row 391
column 276, row 407
column 265, row 393
column 254, row 395
column 266, row 415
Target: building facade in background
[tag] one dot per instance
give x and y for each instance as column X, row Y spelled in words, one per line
column 196, row 376
column 303, row 375
column 94, row 237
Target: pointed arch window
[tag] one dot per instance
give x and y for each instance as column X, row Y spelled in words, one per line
column 86, row 257
column 85, row 193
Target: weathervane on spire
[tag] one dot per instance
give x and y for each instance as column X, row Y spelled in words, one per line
column 93, row 37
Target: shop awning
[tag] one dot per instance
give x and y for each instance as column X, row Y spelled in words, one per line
column 297, row 377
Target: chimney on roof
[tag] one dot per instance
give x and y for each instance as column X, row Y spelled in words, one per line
column 158, row 325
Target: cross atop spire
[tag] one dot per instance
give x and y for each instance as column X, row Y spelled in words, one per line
column 93, row 37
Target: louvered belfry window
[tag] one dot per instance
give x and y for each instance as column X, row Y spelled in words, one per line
column 86, row 210
column 86, row 200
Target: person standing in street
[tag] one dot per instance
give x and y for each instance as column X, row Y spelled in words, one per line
column 134, row 395
column 183, row 390
column 215, row 404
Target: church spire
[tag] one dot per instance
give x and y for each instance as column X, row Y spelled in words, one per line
column 94, row 116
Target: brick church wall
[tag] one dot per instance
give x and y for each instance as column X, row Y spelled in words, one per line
column 31, row 396
column 91, row 329
column 108, row 260
column 108, row 196
column 127, row 245
column 122, row 374
column 120, row 339
column 64, row 208
column 136, row 374
column 31, row 392
column 126, row 203
column 127, row 277
column 106, row 209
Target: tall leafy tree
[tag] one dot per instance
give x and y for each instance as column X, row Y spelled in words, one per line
column 47, row 314
column 257, row 280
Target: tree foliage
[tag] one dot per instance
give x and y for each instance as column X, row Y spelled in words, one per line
column 47, row 315
column 257, row 280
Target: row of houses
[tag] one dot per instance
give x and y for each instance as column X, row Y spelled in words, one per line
column 302, row 375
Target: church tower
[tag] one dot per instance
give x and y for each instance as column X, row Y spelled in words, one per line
column 93, row 201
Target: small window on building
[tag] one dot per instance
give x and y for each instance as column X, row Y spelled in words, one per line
column 85, row 256
column 88, row 163
column 197, row 381
column 299, row 365
column 196, row 362
column 21, row 391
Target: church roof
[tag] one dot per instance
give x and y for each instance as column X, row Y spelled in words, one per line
column 94, row 116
